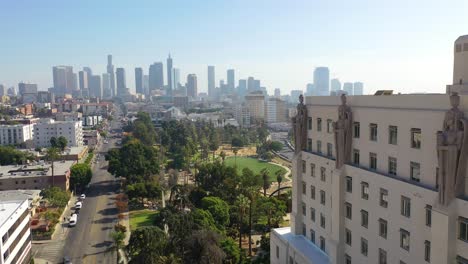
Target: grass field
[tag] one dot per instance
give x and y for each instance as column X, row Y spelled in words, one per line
column 141, row 218
column 255, row 165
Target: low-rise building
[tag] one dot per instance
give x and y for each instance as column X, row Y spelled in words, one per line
column 48, row 128
column 15, row 134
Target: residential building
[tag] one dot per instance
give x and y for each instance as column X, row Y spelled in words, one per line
column 48, row 128
column 139, row 80
column 255, row 101
column 276, row 110
column 322, row 81
column 191, row 85
column 15, row 134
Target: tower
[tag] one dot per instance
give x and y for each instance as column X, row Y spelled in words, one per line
column 211, row 81
column 169, row 75
column 110, row 71
column 139, row 80
column 322, row 81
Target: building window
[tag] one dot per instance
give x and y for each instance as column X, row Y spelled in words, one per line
column 383, row 198
column 312, row 214
column 364, row 218
column 415, row 171
column 383, row 228
column 404, row 239
column 428, row 215
column 364, row 246
column 303, row 166
column 304, row 230
column 356, row 157
column 347, row 259
column 312, row 236
column 405, row 206
column 304, row 210
column 392, row 166
column 348, row 211
column 322, row 220
column 427, row 251
column 349, row 184
column 365, row 190
column 458, row 48
column 373, row 132
column 322, row 243
column 312, row 192
column 277, row 252
column 329, row 150
column 309, row 144
column 348, row 236
column 461, row 260
column 416, row 138
column 329, row 126
column 392, row 135
column 322, row 197
column 463, row 229
column 309, row 123
column 373, row 161
column 304, row 188
column 382, row 256
column 356, row 129
column 312, row 170
column 323, row 176
column 319, row 146
column 319, row 124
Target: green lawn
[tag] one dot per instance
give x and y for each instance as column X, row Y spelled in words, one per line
column 141, row 218
column 255, row 165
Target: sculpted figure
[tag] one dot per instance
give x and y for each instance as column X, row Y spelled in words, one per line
column 300, row 126
column 343, row 133
column 452, row 147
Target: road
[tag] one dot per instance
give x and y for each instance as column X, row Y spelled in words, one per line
column 90, row 241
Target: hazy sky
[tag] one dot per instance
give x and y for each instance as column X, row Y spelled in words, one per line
column 405, row 45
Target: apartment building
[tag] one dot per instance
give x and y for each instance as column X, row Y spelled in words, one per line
column 48, row 128
column 15, row 134
column 276, row 110
column 255, row 102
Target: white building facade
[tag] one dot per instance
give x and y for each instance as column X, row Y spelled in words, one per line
column 15, row 134
column 46, row 129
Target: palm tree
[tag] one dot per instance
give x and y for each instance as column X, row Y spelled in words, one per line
column 266, row 182
column 242, row 204
column 52, row 155
column 118, row 238
column 235, row 150
column 252, row 193
column 279, row 179
column 222, row 155
column 170, row 259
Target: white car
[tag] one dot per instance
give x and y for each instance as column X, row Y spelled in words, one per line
column 78, row 205
column 73, row 219
column 82, row 197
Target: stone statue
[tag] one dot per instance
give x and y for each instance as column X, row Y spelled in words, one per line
column 452, row 148
column 300, row 126
column 343, row 133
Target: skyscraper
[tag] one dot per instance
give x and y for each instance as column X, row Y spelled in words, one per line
column 310, row 89
column 335, row 85
column 63, row 79
column 88, row 70
column 277, row 92
column 211, row 81
column 242, row 88
column 250, row 84
column 156, row 76
column 95, row 86
column 192, row 85
column 27, row 88
column 121, row 82
column 231, row 80
column 146, row 84
column 169, row 76
column 83, row 78
column 106, row 85
column 348, row 88
column 2, row 90
column 110, row 71
column 175, row 80
column 358, row 88
column 139, row 80
column 322, row 81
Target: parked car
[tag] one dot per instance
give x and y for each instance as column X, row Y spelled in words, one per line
column 82, row 197
column 73, row 220
column 78, row 205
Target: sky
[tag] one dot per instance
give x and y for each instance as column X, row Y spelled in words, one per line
column 406, row 46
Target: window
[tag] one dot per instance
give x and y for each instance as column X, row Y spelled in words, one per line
column 364, row 246
column 322, row 220
column 329, row 150
column 309, row 144
column 458, row 48
column 304, row 210
column 365, row 190
column 405, row 206
column 373, row 132
column 291, row 261
column 312, row 214
column 348, row 238
column 329, row 126
column 323, row 176
column 304, row 188
column 303, row 166
column 382, row 256
column 322, row 197
column 347, row 259
column 312, row 236
column 392, row 135
column 304, row 230
column 463, row 229
column 309, row 123
column 462, row 260
column 356, row 130
column 392, row 166
column 416, row 138
column 415, row 171
column 349, row 184
column 312, row 170
column 428, row 215
column 383, row 198
column 319, row 146
column 383, row 228
column 277, row 252
column 373, row 161
column 322, row 243
column 319, row 124
column 364, row 218
column 356, row 156
column 312, row 192
column 427, row 251
column 404, row 239
column 348, row 211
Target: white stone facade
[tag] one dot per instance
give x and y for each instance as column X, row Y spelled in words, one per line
column 15, row 245
column 46, row 129
column 15, row 134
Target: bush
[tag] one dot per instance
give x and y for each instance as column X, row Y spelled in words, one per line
column 120, row 228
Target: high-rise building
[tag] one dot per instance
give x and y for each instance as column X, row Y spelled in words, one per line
column 63, row 79
column 211, row 81
column 2, row 90
column 348, row 88
column 88, row 70
column 192, row 85
column 322, row 81
column 83, row 78
column 250, row 84
column 231, row 82
column 255, row 101
column 156, row 76
column 110, row 71
column 139, row 80
column 310, row 89
column 242, row 88
column 146, row 84
column 295, row 95
column 170, row 82
column 277, row 92
column 95, row 86
column 25, row 88
column 276, row 110
column 121, row 82
column 175, row 80
column 106, row 85
column 335, row 85
column 358, row 88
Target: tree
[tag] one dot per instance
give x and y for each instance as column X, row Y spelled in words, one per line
column 276, row 146
column 218, row 208
column 52, row 155
column 11, row 156
column 203, row 247
column 233, row 253
column 274, row 210
column 146, row 245
column 222, row 155
column 53, row 142
column 62, row 143
column 235, row 151
column 80, row 175
column 170, row 259
column 55, row 196
column 266, row 180
column 203, row 220
column 242, row 203
column 237, row 142
column 118, row 238
column 279, row 179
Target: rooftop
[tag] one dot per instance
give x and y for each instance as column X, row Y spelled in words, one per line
column 8, row 208
column 16, row 195
column 34, row 170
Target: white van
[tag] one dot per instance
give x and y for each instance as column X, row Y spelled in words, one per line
column 78, row 205
column 73, row 219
